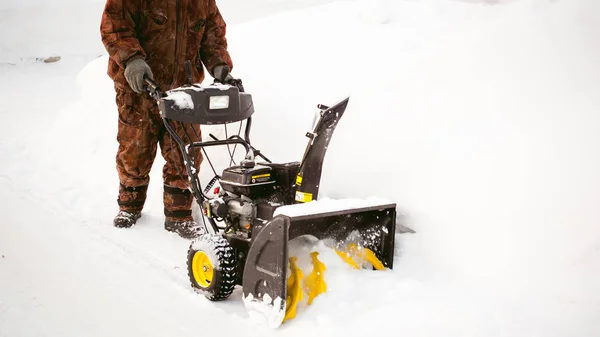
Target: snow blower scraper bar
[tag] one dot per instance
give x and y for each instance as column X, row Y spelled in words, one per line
column 257, row 208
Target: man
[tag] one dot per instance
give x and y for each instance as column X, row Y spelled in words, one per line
column 154, row 38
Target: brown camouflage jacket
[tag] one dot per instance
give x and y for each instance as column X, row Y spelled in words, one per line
column 165, row 33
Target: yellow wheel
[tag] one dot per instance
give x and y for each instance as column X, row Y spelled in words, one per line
column 202, row 269
column 212, row 266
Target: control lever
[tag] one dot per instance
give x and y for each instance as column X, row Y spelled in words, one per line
column 188, row 72
column 153, row 88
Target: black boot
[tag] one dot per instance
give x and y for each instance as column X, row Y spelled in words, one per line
column 126, row 219
column 187, row 229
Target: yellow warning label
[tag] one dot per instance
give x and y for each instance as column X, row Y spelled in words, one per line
column 298, row 180
column 303, row 197
column 261, row 178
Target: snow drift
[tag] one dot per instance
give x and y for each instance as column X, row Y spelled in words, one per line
column 479, row 121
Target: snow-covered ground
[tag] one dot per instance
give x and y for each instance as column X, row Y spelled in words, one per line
column 478, row 118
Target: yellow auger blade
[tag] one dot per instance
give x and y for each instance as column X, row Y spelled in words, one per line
column 314, row 284
column 294, row 291
column 347, row 258
column 373, row 260
column 362, row 254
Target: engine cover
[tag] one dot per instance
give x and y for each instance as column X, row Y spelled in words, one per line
column 249, row 182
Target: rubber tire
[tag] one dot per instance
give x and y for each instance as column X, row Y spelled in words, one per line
column 224, row 266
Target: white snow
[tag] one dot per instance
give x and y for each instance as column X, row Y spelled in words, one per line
column 203, row 87
column 220, row 86
column 479, row 119
column 324, row 205
column 181, row 99
column 267, row 312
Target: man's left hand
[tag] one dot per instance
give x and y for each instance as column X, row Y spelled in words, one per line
column 222, row 73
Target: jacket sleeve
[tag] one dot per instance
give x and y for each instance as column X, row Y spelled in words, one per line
column 213, row 47
column 118, row 31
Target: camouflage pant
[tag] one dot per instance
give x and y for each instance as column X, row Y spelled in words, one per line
column 140, row 131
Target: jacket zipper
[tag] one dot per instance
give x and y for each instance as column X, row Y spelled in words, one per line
column 177, row 38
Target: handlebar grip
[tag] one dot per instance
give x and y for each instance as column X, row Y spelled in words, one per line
column 151, row 83
column 153, row 88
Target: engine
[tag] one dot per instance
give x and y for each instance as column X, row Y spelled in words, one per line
column 244, row 187
column 252, row 192
column 251, row 182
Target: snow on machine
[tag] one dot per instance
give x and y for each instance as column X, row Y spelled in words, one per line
column 252, row 210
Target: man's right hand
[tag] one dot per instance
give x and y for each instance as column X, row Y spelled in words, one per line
column 134, row 73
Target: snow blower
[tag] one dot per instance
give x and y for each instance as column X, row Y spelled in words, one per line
column 254, row 209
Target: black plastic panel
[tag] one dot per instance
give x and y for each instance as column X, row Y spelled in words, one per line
column 265, row 270
column 240, row 105
column 312, row 163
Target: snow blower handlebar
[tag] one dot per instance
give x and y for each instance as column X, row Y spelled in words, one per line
column 173, row 114
column 153, row 88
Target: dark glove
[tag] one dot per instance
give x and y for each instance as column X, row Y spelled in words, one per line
column 134, row 73
column 222, row 74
